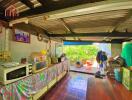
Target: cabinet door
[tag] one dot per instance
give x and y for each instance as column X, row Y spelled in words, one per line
column 126, row 77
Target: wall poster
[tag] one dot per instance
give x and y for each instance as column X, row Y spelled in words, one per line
column 21, row 36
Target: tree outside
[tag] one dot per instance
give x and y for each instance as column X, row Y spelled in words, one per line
column 81, row 52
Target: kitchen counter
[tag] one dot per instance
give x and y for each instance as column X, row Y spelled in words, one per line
column 34, row 86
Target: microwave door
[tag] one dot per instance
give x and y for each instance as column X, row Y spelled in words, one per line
column 16, row 73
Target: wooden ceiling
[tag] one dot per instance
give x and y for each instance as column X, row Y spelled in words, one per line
column 102, row 21
column 93, row 23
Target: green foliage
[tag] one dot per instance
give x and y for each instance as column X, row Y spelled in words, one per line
column 79, row 52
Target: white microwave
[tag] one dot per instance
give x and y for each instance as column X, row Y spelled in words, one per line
column 14, row 73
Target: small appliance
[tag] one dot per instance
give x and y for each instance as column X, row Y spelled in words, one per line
column 11, row 72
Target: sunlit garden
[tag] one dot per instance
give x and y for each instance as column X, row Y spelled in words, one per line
column 81, row 52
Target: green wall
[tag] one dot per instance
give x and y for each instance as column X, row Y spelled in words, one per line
column 127, row 53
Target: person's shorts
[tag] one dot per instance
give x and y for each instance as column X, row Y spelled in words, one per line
column 101, row 65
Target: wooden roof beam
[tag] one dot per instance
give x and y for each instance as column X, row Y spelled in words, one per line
column 93, row 41
column 123, row 21
column 68, row 8
column 28, row 3
column 113, row 34
column 52, row 6
column 67, row 27
column 42, row 2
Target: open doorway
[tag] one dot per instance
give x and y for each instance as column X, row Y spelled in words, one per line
column 85, row 55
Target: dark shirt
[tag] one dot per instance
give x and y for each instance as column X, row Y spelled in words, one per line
column 101, row 56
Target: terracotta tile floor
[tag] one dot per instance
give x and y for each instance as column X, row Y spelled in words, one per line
column 78, row 86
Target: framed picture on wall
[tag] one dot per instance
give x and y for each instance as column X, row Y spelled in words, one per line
column 21, row 36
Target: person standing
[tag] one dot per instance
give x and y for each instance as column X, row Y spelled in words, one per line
column 98, row 58
column 102, row 60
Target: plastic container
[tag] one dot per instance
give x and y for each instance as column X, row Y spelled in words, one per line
column 118, row 74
